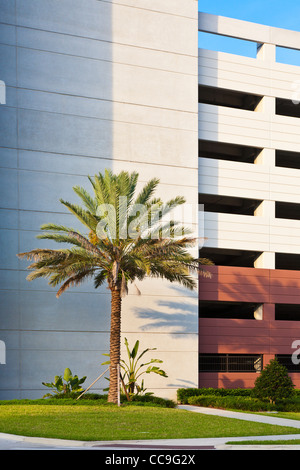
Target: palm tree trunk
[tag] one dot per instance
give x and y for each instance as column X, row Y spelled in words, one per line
column 115, row 347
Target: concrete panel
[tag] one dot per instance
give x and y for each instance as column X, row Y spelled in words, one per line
column 61, row 341
column 8, row 219
column 8, row 126
column 8, row 158
column 164, row 89
column 64, row 134
column 157, row 145
column 9, row 279
column 42, row 366
column 175, row 315
column 42, row 191
column 8, row 188
column 151, row 29
column 66, row 44
column 72, row 311
column 91, row 19
column 10, row 375
column 8, row 34
column 61, row 73
column 64, row 104
column 177, row 7
column 8, row 11
column 8, row 64
column 32, row 220
column 9, row 313
column 9, row 240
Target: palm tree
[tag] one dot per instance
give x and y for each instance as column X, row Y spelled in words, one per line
column 125, row 239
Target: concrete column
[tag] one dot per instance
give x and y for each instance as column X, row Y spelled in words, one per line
column 265, row 261
column 266, row 157
column 266, row 52
column 266, row 105
column 266, row 209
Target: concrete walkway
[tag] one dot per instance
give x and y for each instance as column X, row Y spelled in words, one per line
column 12, row 442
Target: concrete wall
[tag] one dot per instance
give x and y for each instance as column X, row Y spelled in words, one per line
column 92, row 85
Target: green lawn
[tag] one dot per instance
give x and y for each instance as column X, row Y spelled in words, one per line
column 283, row 414
column 95, row 422
column 284, row 442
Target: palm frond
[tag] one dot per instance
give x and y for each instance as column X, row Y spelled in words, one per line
column 84, row 216
column 100, row 278
column 89, row 202
column 147, row 192
column 74, row 280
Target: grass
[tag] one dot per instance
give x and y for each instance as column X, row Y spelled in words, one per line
column 92, row 421
column 279, row 414
column 285, row 442
column 285, row 414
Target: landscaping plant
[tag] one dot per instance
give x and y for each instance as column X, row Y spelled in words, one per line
column 132, row 370
column 127, row 238
column 273, row 383
column 65, row 385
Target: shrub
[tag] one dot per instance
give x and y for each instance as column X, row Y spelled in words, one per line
column 231, row 402
column 65, row 385
column 151, row 400
column 273, row 383
column 184, row 393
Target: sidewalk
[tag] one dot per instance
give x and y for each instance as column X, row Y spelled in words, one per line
column 12, row 442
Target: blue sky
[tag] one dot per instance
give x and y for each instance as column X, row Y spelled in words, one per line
column 278, row 13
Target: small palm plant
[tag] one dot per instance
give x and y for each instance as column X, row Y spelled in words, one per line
column 126, row 238
column 132, row 370
column 65, row 385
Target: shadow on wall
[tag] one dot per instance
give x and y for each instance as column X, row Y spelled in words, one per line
column 176, row 319
column 177, row 315
column 56, row 129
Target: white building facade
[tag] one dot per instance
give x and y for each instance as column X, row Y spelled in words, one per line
column 92, row 85
column 114, row 84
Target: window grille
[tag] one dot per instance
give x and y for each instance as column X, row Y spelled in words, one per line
column 230, row 363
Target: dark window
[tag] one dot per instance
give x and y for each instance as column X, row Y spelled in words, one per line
column 228, row 310
column 229, row 152
column 228, row 98
column 287, row 210
column 286, row 107
column 230, row 363
column 287, row 312
column 228, row 257
column 289, row 362
column 287, row 261
column 228, row 205
column 288, row 159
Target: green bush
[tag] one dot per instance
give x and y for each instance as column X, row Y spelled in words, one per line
column 183, row 394
column 231, row 402
column 237, row 399
column 86, row 396
column 273, row 383
column 150, row 400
